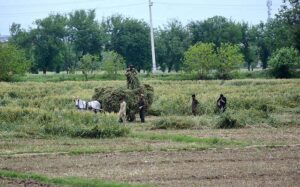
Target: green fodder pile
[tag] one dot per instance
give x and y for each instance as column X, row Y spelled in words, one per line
column 110, row 98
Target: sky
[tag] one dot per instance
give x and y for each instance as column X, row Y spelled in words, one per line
column 25, row 12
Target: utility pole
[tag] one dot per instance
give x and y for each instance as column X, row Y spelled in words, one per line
column 152, row 38
column 269, row 5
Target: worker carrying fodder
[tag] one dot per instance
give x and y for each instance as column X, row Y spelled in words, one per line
column 132, row 79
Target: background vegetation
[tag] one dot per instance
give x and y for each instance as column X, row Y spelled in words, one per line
column 59, row 42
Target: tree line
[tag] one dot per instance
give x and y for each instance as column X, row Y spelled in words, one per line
column 77, row 41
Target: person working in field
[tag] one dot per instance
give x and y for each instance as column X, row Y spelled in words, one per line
column 221, row 103
column 195, row 103
column 142, row 108
column 132, row 79
column 122, row 111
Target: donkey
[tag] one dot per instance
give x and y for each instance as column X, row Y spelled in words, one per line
column 91, row 105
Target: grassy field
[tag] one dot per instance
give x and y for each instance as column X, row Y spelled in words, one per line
column 44, row 139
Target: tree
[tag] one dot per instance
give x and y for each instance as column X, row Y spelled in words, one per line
column 131, row 39
column 201, row 58
column 259, row 33
column 12, row 62
column 48, row 42
column 290, row 14
column 23, row 40
column 283, row 61
column 69, row 56
column 215, row 30
column 229, row 58
column 112, row 62
column 88, row 63
column 85, row 33
column 277, row 35
column 171, row 43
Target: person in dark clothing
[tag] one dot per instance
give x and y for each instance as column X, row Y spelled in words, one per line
column 195, row 103
column 142, row 108
column 221, row 103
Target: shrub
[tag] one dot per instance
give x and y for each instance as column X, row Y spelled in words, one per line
column 12, row 62
column 227, row 122
column 283, row 61
column 152, row 112
column 102, row 131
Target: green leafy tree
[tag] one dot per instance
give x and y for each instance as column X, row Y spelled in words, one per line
column 253, row 56
column 171, row 43
column 200, row 58
column 289, row 13
column 215, row 30
column 249, row 45
column 263, row 50
column 85, row 33
column 130, row 38
column 87, row 64
column 112, row 62
column 69, row 57
column 23, row 40
column 12, row 62
column 270, row 37
column 277, row 35
column 283, row 61
column 229, row 58
column 48, row 42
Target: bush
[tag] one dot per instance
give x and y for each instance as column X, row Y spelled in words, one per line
column 283, row 61
column 227, row 122
column 12, row 62
column 103, row 131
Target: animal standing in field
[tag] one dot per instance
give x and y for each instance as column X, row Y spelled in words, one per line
column 91, row 105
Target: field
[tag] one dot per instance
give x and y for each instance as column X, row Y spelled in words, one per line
column 45, row 141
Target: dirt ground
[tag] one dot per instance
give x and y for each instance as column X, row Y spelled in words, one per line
column 5, row 182
column 278, row 166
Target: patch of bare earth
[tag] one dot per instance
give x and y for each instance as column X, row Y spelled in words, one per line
column 225, row 167
column 21, row 183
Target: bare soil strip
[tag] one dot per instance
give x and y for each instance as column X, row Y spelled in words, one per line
column 279, row 166
column 6, row 182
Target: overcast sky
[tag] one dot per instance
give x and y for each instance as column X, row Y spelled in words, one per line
column 26, row 11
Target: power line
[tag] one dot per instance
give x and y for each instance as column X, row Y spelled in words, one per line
column 49, row 4
column 208, row 4
column 53, row 3
column 66, row 11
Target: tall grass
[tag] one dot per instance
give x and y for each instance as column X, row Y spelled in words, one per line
column 32, row 108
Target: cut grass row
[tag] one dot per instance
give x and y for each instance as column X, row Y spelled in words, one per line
column 135, row 142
